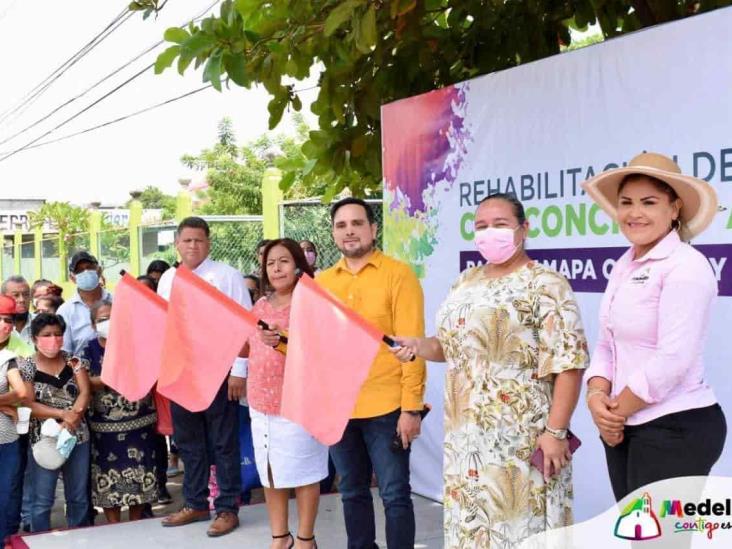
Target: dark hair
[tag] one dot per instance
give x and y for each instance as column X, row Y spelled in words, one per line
column 148, row 281
column 54, row 300
column 194, row 222
column 351, row 200
column 157, row 266
column 262, row 243
column 661, row 186
column 46, row 319
column 518, row 208
column 297, row 254
column 255, row 278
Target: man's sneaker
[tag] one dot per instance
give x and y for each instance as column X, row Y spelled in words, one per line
column 185, row 516
column 164, row 497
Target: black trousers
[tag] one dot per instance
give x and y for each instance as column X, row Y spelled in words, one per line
column 686, row 443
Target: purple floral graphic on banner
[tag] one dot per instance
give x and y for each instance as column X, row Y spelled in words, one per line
column 424, row 144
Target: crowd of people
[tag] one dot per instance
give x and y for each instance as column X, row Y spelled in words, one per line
column 510, row 332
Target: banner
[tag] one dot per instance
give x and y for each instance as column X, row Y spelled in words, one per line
column 538, row 131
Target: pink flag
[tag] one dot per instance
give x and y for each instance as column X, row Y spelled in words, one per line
column 204, row 333
column 329, row 355
column 135, row 343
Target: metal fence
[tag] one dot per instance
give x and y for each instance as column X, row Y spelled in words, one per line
column 310, row 220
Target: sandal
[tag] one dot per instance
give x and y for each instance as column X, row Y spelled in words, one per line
column 287, row 535
column 315, row 543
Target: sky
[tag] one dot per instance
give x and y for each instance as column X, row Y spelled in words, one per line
column 106, row 164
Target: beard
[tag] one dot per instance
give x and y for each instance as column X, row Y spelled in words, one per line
column 355, row 253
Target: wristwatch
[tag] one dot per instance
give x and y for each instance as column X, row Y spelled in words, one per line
column 559, row 434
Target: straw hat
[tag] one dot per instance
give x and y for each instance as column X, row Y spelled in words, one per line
column 698, row 198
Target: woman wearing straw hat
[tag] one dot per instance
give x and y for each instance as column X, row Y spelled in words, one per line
column 646, row 388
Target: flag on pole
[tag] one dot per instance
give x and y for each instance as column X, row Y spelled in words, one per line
column 329, row 355
column 204, row 332
column 135, row 343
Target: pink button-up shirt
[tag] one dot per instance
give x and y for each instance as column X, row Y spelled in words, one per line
column 653, row 325
column 266, row 365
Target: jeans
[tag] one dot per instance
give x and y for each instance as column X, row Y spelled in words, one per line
column 681, row 444
column 25, row 486
column 366, row 448
column 76, row 490
column 210, row 438
column 10, row 489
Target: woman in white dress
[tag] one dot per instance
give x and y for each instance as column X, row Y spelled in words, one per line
column 287, row 456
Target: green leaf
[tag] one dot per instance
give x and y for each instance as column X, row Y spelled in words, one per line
column 276, row 108
column 287, row 180
column 176, row 34
column 296, row 103
column 236, row 68
column 368, row 27
column 212, row 71
column 183, row 61
column 166, row 59
column 338, row 16
column 198, row 43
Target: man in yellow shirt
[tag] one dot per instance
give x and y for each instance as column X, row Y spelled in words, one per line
column 387, row 293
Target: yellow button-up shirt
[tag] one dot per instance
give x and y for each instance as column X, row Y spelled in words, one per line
column 387, row 293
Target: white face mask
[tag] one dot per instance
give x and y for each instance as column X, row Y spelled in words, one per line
column 103, row 329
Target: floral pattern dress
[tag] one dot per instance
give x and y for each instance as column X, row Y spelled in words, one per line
column 123, row 468
column 504, row 339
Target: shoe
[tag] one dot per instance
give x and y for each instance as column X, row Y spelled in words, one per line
column 287, row 535
column 225, row 522
column 172, row 471
column 312, row 538
column 147, row 511
column 185, row 516
column 164, row 497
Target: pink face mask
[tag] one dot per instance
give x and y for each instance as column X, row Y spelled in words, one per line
column 495, row 245
column 50, row 345
column 310, row 257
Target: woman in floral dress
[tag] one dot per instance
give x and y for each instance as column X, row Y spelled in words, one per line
column 511, row 334
column 123, row 469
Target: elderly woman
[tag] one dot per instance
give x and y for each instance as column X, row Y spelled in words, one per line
column 646, row 388
column 511, row 334
column 287, row 456
column 61, row 392
column 123, row 471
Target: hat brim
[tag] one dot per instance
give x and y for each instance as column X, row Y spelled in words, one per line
column 698, row 198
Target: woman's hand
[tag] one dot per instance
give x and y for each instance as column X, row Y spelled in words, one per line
column 269, row 337
column 70, row 420
column 601, row 406
column 407, row 349
column 10, row 411
column 556, row 454
column 611, row 438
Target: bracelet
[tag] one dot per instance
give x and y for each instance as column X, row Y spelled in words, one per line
column 593, row 392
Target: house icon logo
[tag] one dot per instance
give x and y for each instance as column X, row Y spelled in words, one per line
column 638, row 522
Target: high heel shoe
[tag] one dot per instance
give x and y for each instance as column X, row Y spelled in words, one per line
column 287, row 535
column 315, row 543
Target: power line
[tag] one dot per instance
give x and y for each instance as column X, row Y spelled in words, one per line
column 116, row 120
column 102, row 80
column 82, row 94
column 42, row 86
column 79, row 113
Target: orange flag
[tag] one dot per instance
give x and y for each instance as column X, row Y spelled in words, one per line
column 135, row 343
column 329, row 355
column 204, row 333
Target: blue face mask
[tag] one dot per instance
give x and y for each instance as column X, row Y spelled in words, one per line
column 86, row 281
